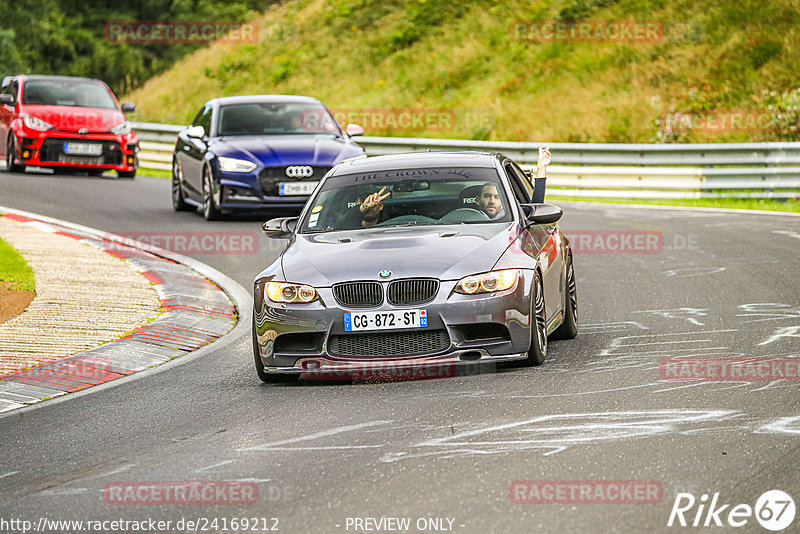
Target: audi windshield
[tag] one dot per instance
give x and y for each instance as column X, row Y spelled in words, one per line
column 276, row 118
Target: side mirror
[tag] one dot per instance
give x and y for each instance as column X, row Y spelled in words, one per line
column 7, row 81
column 354, row 130
column 128, row 107
column 7, row 99
column 280, row 228
column 196, row 132
column 542, row 213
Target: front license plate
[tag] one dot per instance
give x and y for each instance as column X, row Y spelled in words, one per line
column 297, row 188
column 83, row 149
column 385, row 320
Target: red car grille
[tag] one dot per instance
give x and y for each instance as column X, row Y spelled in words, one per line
column 53, row 150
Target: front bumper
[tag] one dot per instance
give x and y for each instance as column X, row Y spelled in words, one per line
column 46, row 149
column 306, row 339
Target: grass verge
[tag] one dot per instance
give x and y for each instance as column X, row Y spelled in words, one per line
column 14, row 269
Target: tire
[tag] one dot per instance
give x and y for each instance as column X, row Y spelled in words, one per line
column 569, row 328
column 95, row 172
column 127, row 174
column 11, row 155
column 210, row 210
column 178, row 201
column 267, row 378
column 538, row 349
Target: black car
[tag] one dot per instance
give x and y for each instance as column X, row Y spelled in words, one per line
column 255, row 152
column 413, row 261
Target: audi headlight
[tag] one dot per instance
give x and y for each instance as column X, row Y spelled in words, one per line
column 487, row 282
column 235, row 165
column 285, row 292
column 35, row 124
column 122, row 128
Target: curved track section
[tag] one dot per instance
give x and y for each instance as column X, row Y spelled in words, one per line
column 657, row 288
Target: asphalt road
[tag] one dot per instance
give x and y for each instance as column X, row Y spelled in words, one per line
column 717, row 285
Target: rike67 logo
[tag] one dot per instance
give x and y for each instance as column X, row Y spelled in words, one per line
column 774, row 510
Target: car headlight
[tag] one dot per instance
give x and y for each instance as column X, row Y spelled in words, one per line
column 235, row 165
column 487, row 282
column 285, row 292
column 35, row 124
column 121, row 128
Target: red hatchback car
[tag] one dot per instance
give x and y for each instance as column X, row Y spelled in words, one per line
column 65, row 123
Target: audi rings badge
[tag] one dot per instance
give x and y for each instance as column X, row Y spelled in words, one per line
column 299, row 171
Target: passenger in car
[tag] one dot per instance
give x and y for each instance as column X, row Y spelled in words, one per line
column 539, row 183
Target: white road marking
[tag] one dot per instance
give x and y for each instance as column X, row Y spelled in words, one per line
column 602, row 328
column 9, row 474
column 692, row 271
column 784, row 425
column 787, row 233
column 210, row 467
column 769, row 311
column 786, row 331
column 688, row 314
column 315, row 435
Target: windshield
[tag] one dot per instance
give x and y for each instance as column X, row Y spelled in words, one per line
column 75, row 93
column 410, row 197
column 276, row 118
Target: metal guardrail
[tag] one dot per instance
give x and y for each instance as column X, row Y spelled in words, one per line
column 594, row 170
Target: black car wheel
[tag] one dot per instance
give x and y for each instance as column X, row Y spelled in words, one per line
column 569, row 328
column 538, row 350
column 267, row 378
column 210, row 210
column 11, row 156
column 127, row 174
column 178, row 202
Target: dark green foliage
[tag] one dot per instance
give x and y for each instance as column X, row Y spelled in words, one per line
column 66, row 36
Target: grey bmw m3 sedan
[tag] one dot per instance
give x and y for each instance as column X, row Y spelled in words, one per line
column 415, row 262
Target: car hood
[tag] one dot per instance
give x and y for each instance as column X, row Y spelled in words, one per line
column 275, row 151
column 445, row 252
column 71, row 119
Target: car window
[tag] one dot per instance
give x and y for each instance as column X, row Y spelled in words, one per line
column 276, row 118
column 67, row 92
column 203, row 119
column 414, row 197
column 520, row 185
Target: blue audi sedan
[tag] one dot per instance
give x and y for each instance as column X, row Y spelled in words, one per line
column 257, row 152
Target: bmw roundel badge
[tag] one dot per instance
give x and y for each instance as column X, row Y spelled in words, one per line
column 386, row 273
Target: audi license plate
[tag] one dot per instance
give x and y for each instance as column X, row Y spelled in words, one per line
column 83, row 149
column 385, row 320
column 296, row 188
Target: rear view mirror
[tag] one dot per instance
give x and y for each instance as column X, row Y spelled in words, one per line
column 196, row 132
column 279, row 228
column 407, row 186
column 542, row 213
column 354, row 129
column 7, row 99
column 128, row 107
